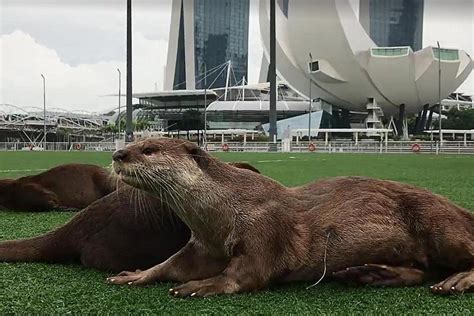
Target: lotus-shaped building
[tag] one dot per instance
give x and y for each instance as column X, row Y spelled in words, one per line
column 323, row 42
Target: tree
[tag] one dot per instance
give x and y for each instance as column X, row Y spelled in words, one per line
column 138, row 125
column 457, row 119
column 141, row 124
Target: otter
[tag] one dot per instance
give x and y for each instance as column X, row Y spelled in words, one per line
column 64, row 188
column 112, row 234
column 126, row 229
column 248, row 231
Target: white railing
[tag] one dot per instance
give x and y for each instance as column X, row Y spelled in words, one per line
column 338, row 146
column 58, row 146
column 391, row 147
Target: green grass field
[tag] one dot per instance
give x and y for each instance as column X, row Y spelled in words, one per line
column 62, row 289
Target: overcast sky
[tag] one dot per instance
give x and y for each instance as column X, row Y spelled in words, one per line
column 79, row 44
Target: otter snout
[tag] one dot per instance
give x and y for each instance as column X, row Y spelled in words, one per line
column 120, row 155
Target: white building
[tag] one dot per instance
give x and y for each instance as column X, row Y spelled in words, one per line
column 347, row 68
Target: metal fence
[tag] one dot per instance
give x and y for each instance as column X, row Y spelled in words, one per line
column 389, row 147
column 339, row 146
column 59, row 146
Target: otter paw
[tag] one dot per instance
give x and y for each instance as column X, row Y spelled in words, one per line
column 131, row 278
column 382, row 275
column 204, row 288
column 456, row 284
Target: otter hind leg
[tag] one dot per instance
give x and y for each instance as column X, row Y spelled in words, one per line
column 455, row 284
column 381, row 275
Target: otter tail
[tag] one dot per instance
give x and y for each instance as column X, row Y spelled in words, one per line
column 55, row 246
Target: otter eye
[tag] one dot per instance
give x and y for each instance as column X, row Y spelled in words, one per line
column 147, row 151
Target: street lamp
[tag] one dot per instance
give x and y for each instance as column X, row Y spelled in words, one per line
column 120, row 96
column 129, row 105
column 439, row 97
column 310, row 96
column 204, row 65
column 44, row 111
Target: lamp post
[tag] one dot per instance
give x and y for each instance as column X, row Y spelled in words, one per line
column 310, row 96
column 204, row 65
column 439, row 98
column 44, row 111
column 273, row 85
column 129, row 105
column 120, row 96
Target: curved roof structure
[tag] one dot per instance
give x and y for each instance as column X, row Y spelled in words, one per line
column 13, row 117
column 347, row 68
column 260, row 106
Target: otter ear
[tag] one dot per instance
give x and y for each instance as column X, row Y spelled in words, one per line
column 199, row 155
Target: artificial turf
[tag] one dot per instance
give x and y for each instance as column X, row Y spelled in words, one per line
column 60, row 289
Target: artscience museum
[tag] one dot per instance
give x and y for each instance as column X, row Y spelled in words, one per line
column 322, row 49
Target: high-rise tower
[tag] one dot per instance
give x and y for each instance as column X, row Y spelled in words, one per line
column 206, row 31
column 393, row 22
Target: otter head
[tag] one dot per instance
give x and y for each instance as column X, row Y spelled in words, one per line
column 160, row 165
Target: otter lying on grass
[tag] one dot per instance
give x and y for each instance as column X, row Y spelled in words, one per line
column 69, row 187
column 127, row 229
column 249, row 231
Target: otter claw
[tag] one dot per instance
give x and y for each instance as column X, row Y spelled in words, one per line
column 192, row 294
column 130, row 283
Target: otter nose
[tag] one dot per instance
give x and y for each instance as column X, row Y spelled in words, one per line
column 120, row 155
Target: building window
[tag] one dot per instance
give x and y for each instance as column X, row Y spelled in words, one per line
column 396, row 51
column 284, row 6
column 313, row 66
column 446, row 54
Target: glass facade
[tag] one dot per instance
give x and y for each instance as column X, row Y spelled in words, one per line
column 398, row 51
column 446, row 54
column 221, row 34
column 284, row 6
column 397, row 23
column 180, row 68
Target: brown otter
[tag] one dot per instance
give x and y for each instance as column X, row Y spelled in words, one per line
column 127, row 229
column 113, row 233
column 248, row 230
column 67, row 187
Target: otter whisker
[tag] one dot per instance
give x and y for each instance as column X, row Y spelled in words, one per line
column 117, row 184
column 171, row 192
column 146, row 178
column 138, row 196
column 149, row 211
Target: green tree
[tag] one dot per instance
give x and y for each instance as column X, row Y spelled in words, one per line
column 110, row 129
column 457, row 119
column 138, row 125
column 141, row 124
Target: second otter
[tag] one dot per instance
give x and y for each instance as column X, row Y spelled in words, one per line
column 66, row 188
column 127, row 229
